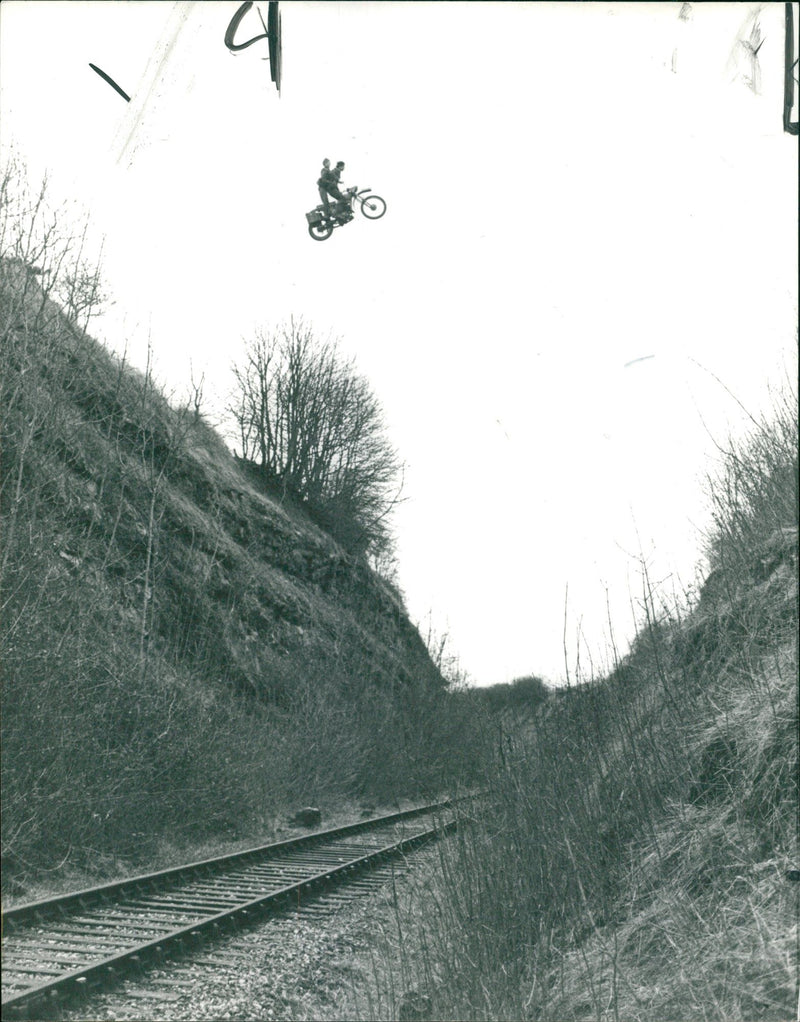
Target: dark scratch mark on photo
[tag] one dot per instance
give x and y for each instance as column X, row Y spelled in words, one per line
column 110, row 81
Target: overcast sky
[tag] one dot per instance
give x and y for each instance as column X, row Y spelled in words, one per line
column 590, row 246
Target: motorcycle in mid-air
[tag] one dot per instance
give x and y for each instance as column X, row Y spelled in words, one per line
column 321, row 221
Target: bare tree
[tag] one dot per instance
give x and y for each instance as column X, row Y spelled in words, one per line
column 311, row 422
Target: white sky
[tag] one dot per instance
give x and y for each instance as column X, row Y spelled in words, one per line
column 570, row 187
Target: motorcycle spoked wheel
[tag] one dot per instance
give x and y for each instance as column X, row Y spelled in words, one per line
column 321, row 232
column 372, row 206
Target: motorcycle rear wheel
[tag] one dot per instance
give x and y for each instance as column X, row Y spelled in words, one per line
column 320, row 232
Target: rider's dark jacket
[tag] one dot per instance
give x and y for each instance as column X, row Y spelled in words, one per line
column 329, row 182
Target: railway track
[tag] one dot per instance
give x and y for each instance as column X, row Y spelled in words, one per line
column 82, row 943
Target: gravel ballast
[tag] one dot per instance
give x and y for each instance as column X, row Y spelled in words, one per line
column 305, row 964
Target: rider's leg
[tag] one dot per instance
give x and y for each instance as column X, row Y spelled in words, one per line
column 342, row 202
column 323, row 194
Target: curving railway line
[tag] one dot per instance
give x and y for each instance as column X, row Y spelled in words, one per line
column 83, row 943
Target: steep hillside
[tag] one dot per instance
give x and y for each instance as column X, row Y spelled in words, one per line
column 172, row 631
column 640, row 857
column 144, row 505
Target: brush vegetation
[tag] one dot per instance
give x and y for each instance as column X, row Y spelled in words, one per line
column 638, row 856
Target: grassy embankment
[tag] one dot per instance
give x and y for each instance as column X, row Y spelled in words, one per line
column 186, row 655
column 640, row 857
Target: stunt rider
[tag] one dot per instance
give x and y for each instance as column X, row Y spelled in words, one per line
column 328, row 184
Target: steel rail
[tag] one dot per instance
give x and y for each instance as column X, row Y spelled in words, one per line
column 41, row 909
column 160, row 936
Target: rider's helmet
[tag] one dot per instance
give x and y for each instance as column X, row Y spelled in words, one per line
column 339, row 165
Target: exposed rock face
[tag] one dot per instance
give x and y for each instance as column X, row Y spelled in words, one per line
column 308, row 817
column 146, row 510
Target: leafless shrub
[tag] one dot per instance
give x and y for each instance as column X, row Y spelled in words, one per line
column 313, row 425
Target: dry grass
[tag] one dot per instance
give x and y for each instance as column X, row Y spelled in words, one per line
column 636, row 862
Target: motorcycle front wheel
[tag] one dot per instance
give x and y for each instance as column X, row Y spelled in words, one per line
column 320, row 232
column 373, row 207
